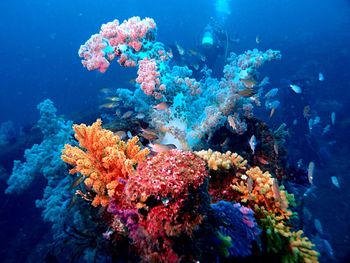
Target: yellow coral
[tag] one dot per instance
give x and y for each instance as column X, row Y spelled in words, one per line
column 104, row 159
column 218, row 160
column 260, row 190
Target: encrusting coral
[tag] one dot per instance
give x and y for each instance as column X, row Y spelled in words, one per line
column 105, row 161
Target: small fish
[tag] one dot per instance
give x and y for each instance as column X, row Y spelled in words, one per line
column 276, row 190
column 272, row 112
column 295, row 122
column 264, row 82
column 127, row 114
column 320, row 77
column 113, row 98
column 231, row 122
column 128, row 133
column 326, row 129
column 257, row 39
column 225, row 142
column 248, row 83
column 106, row 90
column 275, row 148
column 77, row 181
column 247, row 92
column 262, row 160
column 271, row 93
column 140, row 116
column 180, row 49
column 272, row 104
column 72, row 202
column 335, row 181
column 300, row 163
column 310, row 172
column 252, row 143
column 318, row 226
column 306, row 111
column 192, row 52
column 109, row 105
column 121, row 134
column 295, row 88
column 161, row 106
column 333, row 118
column 158, row 148
column 250, row 186
column 148, row 134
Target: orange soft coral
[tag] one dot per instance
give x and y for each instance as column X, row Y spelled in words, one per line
column 104, row 159
column 258, row 189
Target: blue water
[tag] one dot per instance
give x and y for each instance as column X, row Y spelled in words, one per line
column 39, row 60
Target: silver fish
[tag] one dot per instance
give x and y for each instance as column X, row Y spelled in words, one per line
column 252, row 143
column 310, row 172
column 335, row 181
column 271, row 93
column 295, row 88
column 333, row 118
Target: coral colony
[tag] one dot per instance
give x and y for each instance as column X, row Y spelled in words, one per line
column 182, row 203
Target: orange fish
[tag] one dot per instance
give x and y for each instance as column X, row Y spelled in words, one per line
column 247, row 92
column 262, row 160
column 161, row 106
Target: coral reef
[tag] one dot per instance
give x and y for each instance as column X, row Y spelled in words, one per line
column 104, row 161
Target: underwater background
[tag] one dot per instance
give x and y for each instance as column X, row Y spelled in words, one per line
column 289, row 117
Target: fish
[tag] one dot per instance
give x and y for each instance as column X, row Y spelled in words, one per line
column 271, row 93
column 335, row 181
column 192, row 52
column 121, row 134
column 262, row 160
column 127, row 114
column 252, row 143
column 231, row 122
column 264, row 82
column 77, row 181
column 276, row 190
column 180, row 49
column 257, row 39
column 158, row 148
column 318, row 226
column 333, row 118
column 106, row 90
column 272, row 112
column 161, row 106
column 148, row 134
column 306, row 112
column 326, row 129
column 320, row 76
column 275, row 148
column 248, row 83
column 310, row 172
column 109, row 105
column 247, row 92
column 295, row 88
column 272, row 104
column 250, row 186
column 295, row 122
column 140, row 116
column 128, row 133
column 113, row 98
